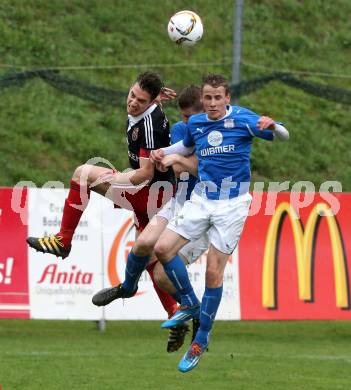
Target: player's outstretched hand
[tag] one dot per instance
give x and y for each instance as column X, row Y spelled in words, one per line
column 167, row 94
column 265, row 122
column 156, row 156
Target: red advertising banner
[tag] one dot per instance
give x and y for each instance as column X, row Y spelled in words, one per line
column 14, row 292
column 294, row 261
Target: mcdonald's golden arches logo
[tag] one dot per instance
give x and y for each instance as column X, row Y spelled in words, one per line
column 304, row 240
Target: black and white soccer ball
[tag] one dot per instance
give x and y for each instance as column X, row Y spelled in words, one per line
column 185, row 28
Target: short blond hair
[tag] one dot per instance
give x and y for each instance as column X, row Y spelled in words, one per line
column 215, row 81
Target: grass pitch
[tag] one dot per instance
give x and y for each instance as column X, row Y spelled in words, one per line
column 132, row 355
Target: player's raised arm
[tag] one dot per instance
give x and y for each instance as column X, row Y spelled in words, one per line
column 178, row 148
column 180, row 164
column 136, row 177
column 279, row 131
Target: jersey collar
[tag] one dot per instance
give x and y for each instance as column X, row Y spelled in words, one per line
column 228, row 111
column 135, row 119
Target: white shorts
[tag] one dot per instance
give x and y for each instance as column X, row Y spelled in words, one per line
column 223, row 220
column 170, row 209
column 193, row 249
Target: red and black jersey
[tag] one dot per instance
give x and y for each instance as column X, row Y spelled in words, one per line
column 146, row 132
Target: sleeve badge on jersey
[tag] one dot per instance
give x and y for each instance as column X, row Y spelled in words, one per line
column 135, row 134
column 229, row 123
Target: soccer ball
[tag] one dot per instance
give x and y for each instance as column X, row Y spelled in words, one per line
column 185, row 28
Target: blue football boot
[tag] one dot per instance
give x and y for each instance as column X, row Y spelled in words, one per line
column 191, row 359
column 181, row 316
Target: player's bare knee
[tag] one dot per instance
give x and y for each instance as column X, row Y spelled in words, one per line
column 214, row 278
column 77, row 173
column 162, row 251
column 143, row 246
column 82, row 174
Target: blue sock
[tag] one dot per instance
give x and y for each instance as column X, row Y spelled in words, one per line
column 177, row 273
column 209, row 306
column 134, row 268
column 177, row 296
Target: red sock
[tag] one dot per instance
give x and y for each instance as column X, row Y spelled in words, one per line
column 168, row 302
column 75, row 204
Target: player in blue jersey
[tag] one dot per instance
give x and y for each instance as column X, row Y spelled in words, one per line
column 189, row 104
column 222, row 139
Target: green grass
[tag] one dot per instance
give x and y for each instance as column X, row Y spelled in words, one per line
column 243, row 355
column 45, row 133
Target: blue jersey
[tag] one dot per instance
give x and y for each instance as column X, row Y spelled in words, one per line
column 178, row 131
column 223, row 149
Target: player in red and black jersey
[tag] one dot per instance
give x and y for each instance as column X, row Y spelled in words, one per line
column 144, row 132
column 147, row 129
column 143, row 189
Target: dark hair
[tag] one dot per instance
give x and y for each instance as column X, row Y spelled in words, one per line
column 190, row 97
column 151, row 83
column 215, row 81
